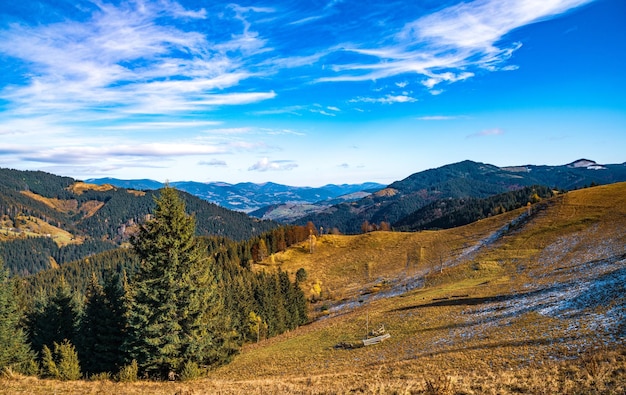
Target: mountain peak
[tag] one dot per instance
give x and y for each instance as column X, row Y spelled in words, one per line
column 582, row 163
column 586, row 164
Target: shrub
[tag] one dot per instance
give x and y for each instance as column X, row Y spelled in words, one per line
column 48, row 366
column 102, row 376
column 190, row 371
column 128, row 373
column 301, row 275
column 29, row 368
column 68, row 364
column 63, row 364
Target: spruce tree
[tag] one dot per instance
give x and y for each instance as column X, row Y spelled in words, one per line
column 175, row 314
column 14, row 350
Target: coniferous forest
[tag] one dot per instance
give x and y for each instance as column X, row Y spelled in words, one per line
column 171, row 306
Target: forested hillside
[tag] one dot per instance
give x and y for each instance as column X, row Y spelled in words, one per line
column 47, row 220
column 450, row 213
column 169, row 306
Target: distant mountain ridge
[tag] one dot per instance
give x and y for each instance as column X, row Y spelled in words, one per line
column 466, row 179
column 248, row 196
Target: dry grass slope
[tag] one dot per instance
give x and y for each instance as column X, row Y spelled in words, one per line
column 80, row 187
column 524, row 304
column 26, row 226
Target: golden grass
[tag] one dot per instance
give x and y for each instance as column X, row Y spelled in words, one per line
column 345, row 265
column 81, row 187
column 602, row 372
column 35, row 227
column 90, row 208
column 64, row 206
column 136, row 193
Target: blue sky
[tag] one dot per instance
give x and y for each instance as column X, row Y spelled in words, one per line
column 308, row 92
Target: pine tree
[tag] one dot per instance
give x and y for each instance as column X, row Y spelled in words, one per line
column 14, row 350
column 175, row 312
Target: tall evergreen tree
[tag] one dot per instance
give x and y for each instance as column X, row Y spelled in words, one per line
column 175, row 314
column 14, row 350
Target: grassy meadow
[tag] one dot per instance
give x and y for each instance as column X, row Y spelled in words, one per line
column 527, row 302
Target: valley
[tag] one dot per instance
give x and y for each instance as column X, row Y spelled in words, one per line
column 498, row 306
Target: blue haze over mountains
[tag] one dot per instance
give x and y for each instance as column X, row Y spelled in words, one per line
column 373, row 201
column 247, row 196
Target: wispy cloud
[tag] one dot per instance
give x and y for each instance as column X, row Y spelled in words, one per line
column 277, row 132
column 388, row 99
column 85, row 154
column 322, row 112
column 487, row 132
column 446, row 46
column 121, row 60
column 213, row 163
column 307, row 20
column 294, row 110
column 162, row 125
column 438, row 117
column 277, row 165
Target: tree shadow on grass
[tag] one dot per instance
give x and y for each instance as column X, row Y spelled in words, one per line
column 467, row 301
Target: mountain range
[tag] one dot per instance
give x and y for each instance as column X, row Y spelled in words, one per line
column 248, row 197
column 345, row 207
column 48, row 220
column 461, row 180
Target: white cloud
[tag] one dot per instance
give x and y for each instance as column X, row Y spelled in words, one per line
column 294, row 110
column 388, row 99
column 279, row 165
column 447, row 45
column 213, row 162
column 479, row 24
column 162, row 125
column 277, row 132
column 129, row 58
column 307, row 20
column 229, row 131
column 322, row 112
column 487, row 132
column 437, row 118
